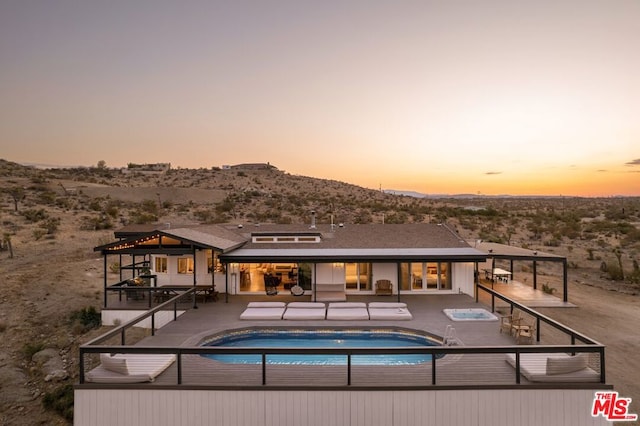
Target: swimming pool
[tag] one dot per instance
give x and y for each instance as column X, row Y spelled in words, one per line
column 471, row 314
column 288, row 338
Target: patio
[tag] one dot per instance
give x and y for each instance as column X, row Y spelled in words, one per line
column 455, row 369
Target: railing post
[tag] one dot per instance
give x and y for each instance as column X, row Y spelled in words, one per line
column 538, row 329
column 517, row 367
column 433, row 369
column 264, row 368
column 179, row 365
column 122, row 336
column 153, row 324
column 348, row 369
column 175, row 310
column 602, row 371
column 81, row 362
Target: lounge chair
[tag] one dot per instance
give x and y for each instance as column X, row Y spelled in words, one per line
column 384, row 288
column 305, row 311
column 555, row 367
column 270, row 285
column 296, row 290
column 525, row 332
column 263, row 311
column 389, row 311
column 129, row 368
column 507, row 322
column 349, row 311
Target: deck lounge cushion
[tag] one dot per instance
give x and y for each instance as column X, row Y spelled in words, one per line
column 347, row 305
column 141, row 368
column 266, row 305
column 349, row 311
column 262, row 313
column 390, row 314
column 563, row 365
column 304, row 314
column 387, row 305
column 534, row 368
column 307, row 305
column 111, row 363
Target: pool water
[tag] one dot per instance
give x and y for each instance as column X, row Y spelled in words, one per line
column 323, row 339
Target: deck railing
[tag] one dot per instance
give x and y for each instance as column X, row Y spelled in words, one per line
column 437, row 370
column 539, row 318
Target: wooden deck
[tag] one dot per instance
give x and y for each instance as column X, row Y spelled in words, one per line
column 208, row 319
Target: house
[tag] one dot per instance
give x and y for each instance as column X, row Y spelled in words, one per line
column 168, row 380
column 328, row 261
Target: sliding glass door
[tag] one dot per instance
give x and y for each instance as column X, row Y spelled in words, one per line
column 425, row 276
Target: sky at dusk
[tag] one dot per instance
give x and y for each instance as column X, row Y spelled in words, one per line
column 491, row 97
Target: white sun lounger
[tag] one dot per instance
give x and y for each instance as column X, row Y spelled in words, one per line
column 389, row 311
column 554, row 367
column 347, row 311
column 263, row 311
column 305, row 311
column 129, row 368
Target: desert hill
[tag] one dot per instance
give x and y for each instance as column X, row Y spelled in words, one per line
column 50, row 220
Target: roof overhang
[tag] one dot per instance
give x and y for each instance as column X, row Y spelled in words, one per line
column 354, row 255
column 174, row 242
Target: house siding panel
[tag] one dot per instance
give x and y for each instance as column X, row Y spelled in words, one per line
column 549, row 407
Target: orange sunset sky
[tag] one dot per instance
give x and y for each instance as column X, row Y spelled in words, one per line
column 490, row 97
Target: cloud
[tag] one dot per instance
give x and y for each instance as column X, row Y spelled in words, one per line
column 635, row 162
column 492, row 173
column 602, row 171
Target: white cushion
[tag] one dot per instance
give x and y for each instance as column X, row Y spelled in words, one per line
column 347, row 305
column 266, row 305
column 563, row 365
column 390, row 305
column 117, row 365
column 306, row 305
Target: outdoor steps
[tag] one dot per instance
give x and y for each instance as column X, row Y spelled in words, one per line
column 330, row 293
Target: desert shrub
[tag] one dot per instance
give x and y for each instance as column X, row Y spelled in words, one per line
column 548, row 289
column 613, row 271
column 554, row 242
column 47, row 197
column 60, row 400
column 38, row 233
column 30, row 349
column 87, row 318
column 51, row 225
column 144, row 217
column 33, row 215
column 95, row 223
column 204, row 216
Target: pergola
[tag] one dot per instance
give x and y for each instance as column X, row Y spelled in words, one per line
column 174, row 242
column 511, row 253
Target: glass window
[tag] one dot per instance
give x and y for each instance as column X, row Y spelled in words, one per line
column 445, row 276
column 432, row 276
column 185, row 265
column 161, row 265
column 404, row 277
column 358, row 276
column 213, row 263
